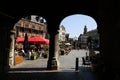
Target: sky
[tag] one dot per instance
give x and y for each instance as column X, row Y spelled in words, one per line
column 74, row 24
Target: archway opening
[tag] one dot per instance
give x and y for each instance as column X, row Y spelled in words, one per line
column 78, row 38
column 30, row 44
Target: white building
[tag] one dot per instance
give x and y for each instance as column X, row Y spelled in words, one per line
column 62, row 33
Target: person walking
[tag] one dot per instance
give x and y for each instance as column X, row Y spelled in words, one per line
column 29, row 54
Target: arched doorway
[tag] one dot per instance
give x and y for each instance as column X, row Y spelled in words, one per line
column 76, row 29
column 33, row 27
column 103, row 12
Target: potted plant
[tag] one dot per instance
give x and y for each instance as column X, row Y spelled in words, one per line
column 34, row 56
column 45, row 54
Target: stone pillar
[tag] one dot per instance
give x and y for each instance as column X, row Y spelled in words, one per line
column 53, row 63
column 4, row 49
column 12, row 48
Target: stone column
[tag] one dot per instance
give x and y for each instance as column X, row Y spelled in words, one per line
column 4, row 49
column 53, row 63
column 12, row 48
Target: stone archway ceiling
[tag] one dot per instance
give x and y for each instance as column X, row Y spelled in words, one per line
column 53, row 12
column 55, row 9
column 105, row 11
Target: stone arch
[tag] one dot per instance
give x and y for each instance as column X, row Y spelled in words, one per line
column 70, row 15
column 23, row 20
column 52, row 20
column 103, row 12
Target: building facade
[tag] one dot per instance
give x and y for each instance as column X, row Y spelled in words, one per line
column 83, row 38
column 62, row 33
column 32, row 26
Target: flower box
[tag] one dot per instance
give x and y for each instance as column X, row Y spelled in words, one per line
column 18, row 59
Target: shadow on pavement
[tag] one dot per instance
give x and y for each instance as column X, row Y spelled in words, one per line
column 27, row 69
column 84, row 73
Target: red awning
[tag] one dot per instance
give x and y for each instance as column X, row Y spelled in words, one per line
column 20, row 40
column 46, row 41
column 38, row 39
column 35, row 39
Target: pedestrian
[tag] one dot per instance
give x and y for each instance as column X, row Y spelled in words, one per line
column 29, row 54
column 16, row 52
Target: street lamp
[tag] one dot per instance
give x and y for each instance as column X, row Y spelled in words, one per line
column 75, row 42
column 91, row 50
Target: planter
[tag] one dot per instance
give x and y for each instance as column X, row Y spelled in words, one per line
column 18, row 59
column 45, row 56
column 62, row 52
column 33, row 57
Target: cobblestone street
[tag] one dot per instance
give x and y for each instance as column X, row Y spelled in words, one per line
column 66, row 68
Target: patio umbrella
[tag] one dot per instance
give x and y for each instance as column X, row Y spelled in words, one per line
column 47, row 41
column 37, row 39
column 68, row 44
column 26, row 44
column 20, row 40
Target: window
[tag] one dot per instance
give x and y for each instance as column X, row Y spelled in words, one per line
column 32, row 29
column 40, row 28
column 18, row 24
column 26, row 27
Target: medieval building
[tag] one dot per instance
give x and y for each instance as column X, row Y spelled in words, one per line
column 83, row 38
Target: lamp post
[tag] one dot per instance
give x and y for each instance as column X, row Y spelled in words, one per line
column 91, row 50
column 75, row 42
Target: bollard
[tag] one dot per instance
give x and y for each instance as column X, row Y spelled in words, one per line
column 76, row 66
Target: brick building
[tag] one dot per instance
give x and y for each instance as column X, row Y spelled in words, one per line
column 83, row 38
column 32, row 27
